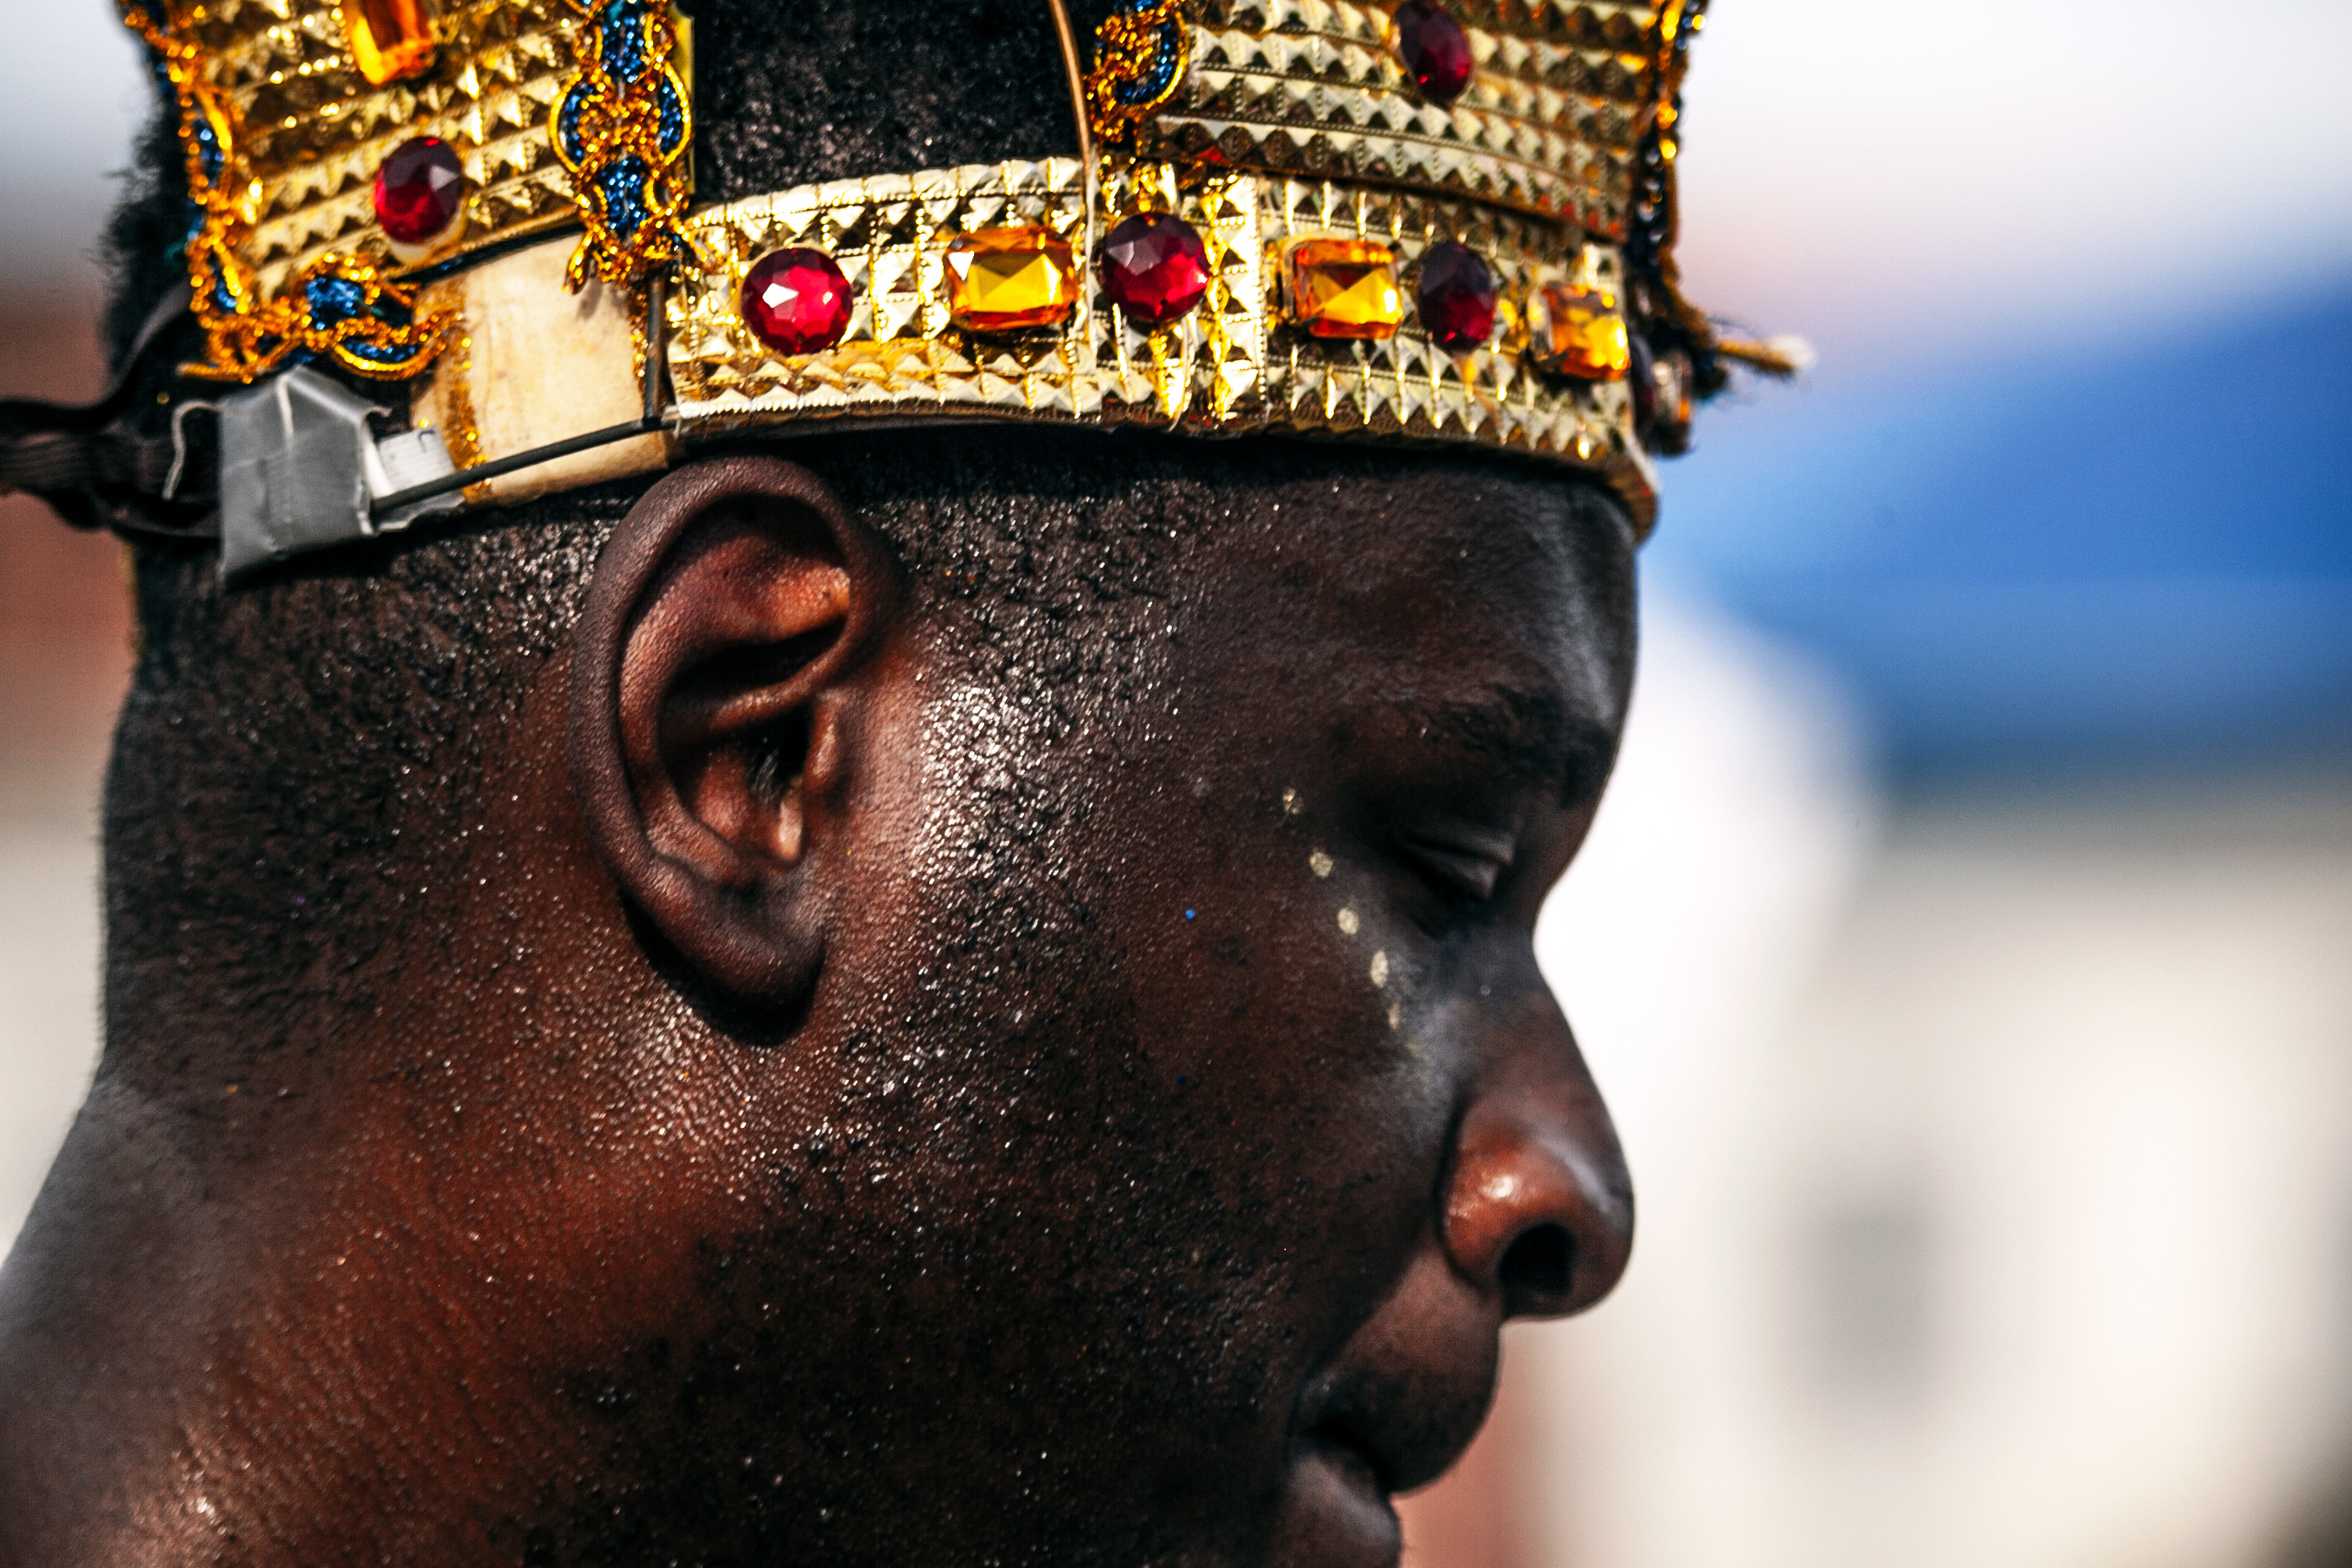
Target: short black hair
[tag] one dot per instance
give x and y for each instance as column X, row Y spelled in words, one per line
column 297, row 770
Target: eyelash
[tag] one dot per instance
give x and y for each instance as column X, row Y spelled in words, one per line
column 1467, row 877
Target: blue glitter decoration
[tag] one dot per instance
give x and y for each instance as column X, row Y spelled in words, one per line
column 210, row 157
column 1165, row 63
column 334, row 300
column 380, row 354
column 673, row 114
column 1141, row 50
column 624, row 41
column 622, row 185
column 568, row 134
column 621, row 127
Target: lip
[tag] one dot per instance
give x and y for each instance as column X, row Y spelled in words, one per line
column 1341, row 1515
column 1400, row 1432
column 1396, row 1404
column 1337, row 1438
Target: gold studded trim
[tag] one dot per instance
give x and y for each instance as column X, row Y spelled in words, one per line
column 337, row 306
column 304, row 132
column 500, row 68
column 1549, row 124
column 316, row 130
column 1234, row 366
column 889, row 235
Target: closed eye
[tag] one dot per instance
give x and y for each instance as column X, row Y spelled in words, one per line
column 1469, row 862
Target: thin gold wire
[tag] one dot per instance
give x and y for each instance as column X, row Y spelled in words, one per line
column 1075, row 71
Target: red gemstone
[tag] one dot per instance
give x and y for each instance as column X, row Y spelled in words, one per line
column 419, row 190
column 1456, row 297
column 1435, row 51
column 1154, row 268
column 796, row 300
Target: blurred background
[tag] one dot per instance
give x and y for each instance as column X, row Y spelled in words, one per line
column 1966, row 946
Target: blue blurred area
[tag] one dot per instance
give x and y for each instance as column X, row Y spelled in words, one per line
column 2120, row 558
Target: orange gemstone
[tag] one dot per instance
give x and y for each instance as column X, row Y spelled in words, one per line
column 1002, row 279
column 1579, row 332
column 391, row 40
column 1345, row 289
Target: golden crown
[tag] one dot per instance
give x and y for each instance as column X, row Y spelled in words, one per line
column 1417, row 220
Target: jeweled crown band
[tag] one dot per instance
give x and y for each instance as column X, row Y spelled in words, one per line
column 1234, row 305
column 1230, row 304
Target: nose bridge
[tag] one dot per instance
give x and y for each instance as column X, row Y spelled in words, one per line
column 1537, row 1205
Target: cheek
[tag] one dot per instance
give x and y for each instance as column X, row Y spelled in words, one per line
column 1278, row 1020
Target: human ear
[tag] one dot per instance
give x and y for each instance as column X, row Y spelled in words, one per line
column 706, row 742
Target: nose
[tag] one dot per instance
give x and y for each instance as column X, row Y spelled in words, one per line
column 1538, row 1204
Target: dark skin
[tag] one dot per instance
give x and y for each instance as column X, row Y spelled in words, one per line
column 875, row 1113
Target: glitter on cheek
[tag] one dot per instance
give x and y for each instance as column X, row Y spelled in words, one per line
column 1291, row 805
column 1350, row 922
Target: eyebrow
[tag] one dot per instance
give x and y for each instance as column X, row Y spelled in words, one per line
column 1529, row 736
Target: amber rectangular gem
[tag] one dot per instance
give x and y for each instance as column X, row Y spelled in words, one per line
column 391, row 40
column 1002, row 279
column 1579, row 332
column 1345, row 289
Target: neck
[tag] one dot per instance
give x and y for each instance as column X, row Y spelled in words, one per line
column 292, row 1323
column 97, row 1376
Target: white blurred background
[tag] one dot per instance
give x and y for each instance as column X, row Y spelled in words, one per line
column 1964, row 944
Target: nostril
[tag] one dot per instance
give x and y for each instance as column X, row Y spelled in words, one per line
column 1538, row 1268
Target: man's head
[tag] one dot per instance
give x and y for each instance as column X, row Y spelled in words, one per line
column 1022, row 1039
column 965, row 994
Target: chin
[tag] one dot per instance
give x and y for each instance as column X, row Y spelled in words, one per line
column 1337, row 1513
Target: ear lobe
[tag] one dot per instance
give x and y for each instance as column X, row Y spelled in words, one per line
column 706, row 739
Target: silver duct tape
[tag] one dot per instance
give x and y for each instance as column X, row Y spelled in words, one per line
column 302, row 467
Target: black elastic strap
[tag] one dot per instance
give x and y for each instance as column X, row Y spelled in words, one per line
column 91, row 468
